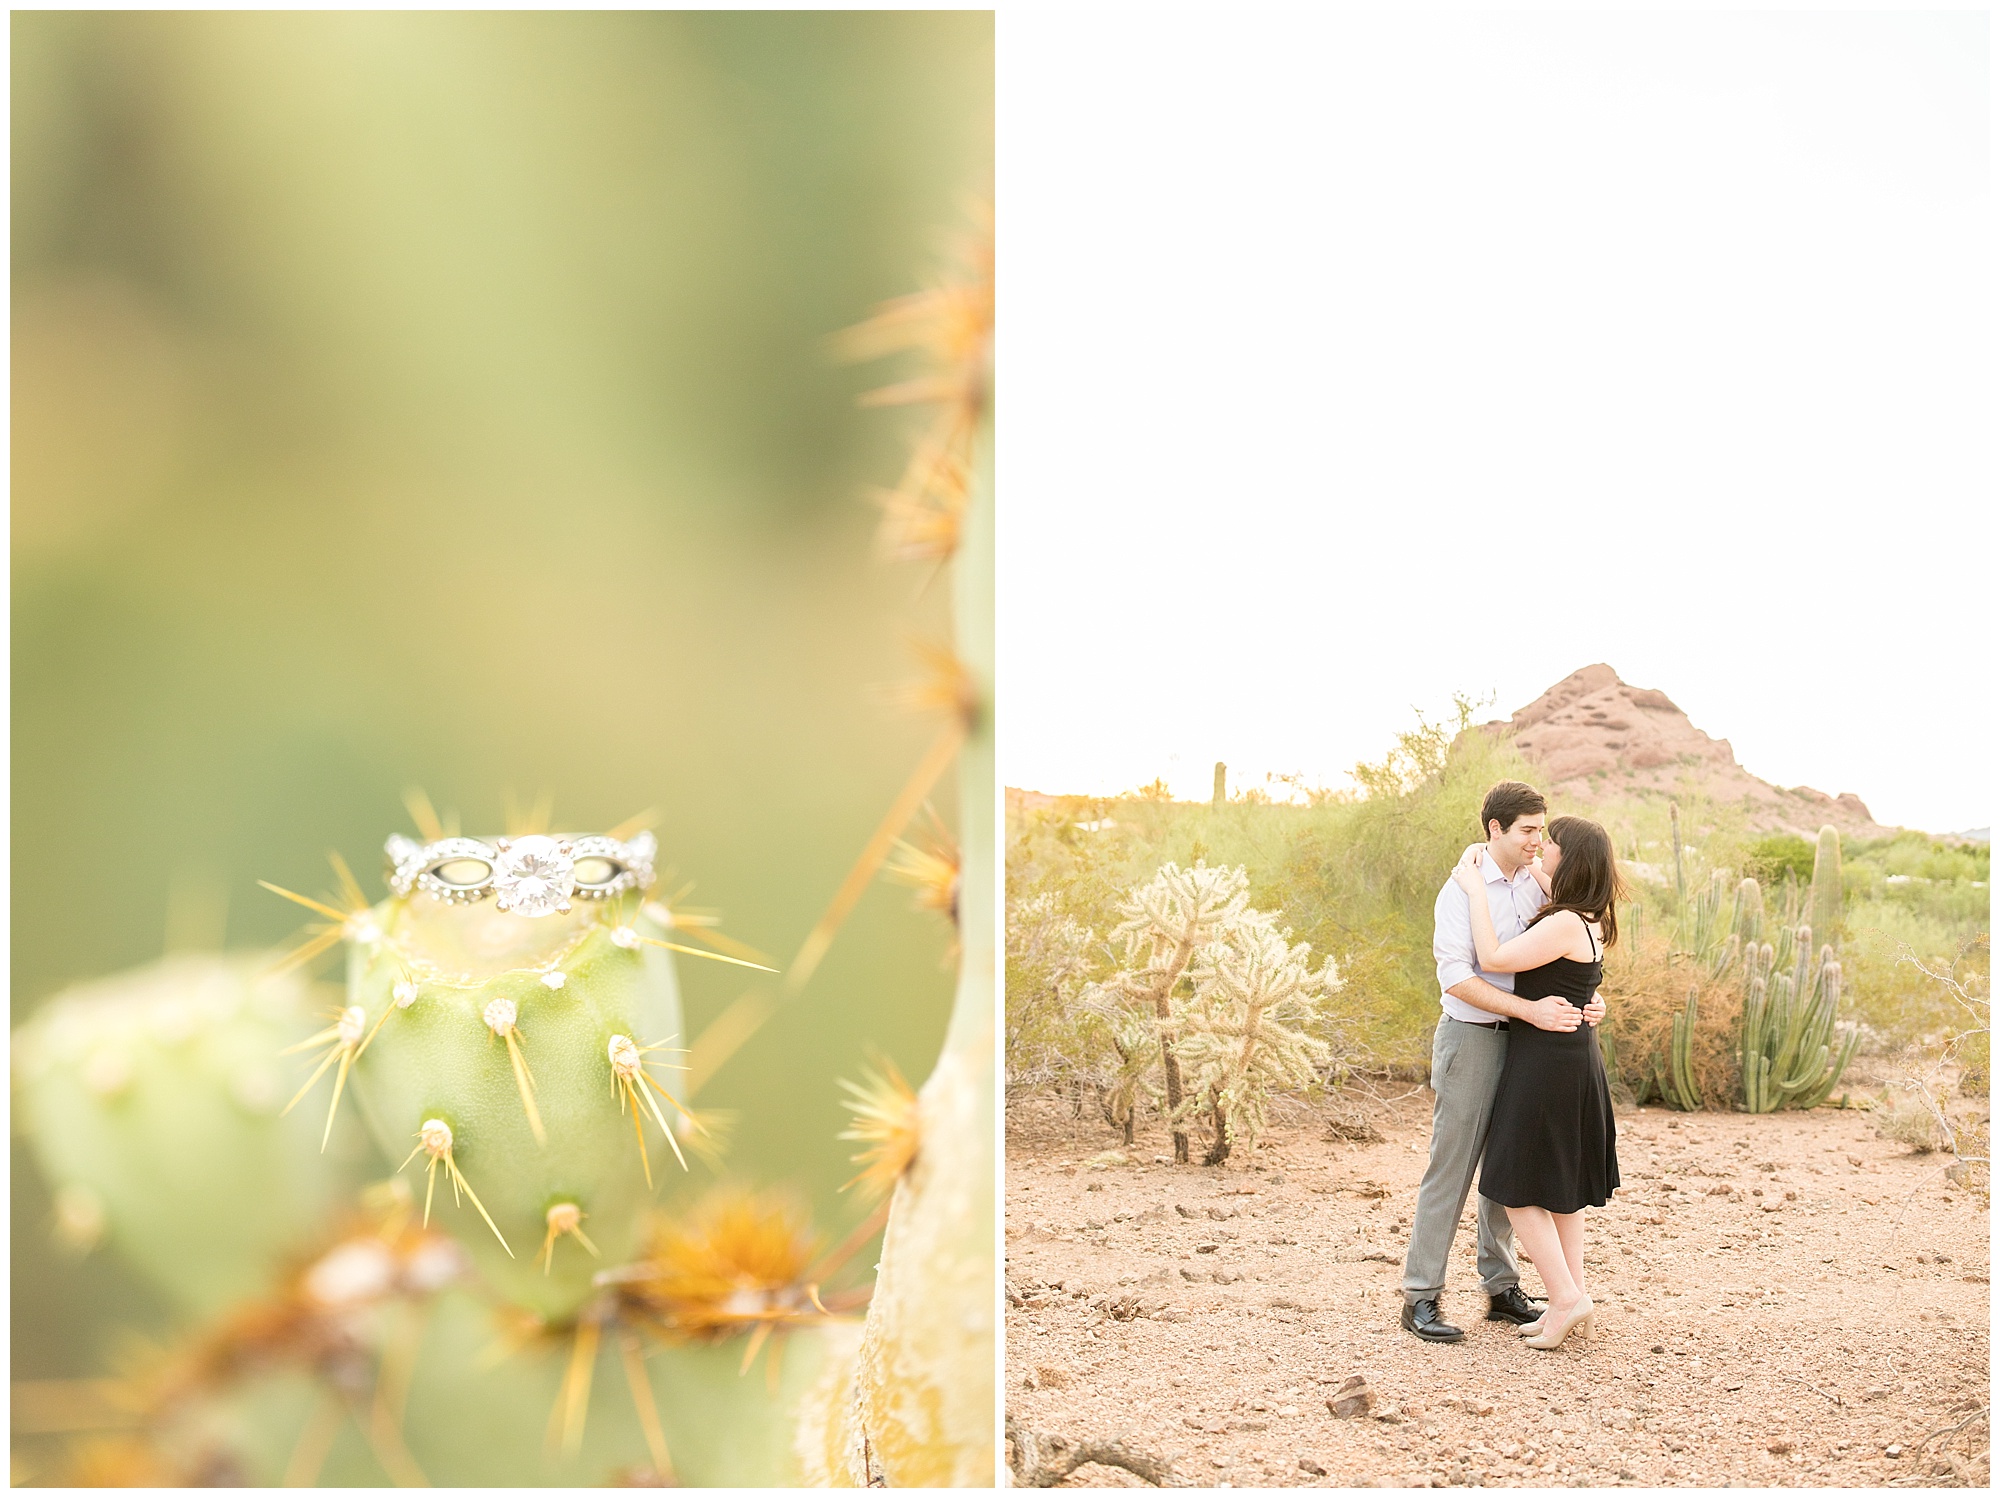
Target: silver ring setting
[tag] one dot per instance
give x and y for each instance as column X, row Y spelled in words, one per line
column 529, row 876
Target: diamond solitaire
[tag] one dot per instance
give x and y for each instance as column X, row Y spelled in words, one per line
column 534, row 876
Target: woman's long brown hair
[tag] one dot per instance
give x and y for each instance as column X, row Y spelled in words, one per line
column 1587, row 880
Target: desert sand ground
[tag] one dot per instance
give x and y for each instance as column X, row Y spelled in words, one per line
column 1786, row 1300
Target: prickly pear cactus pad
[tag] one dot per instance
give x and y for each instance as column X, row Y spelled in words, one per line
column 521, row 1064
column 154, row 1104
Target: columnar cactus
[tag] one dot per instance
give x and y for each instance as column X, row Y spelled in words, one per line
column 1681, row 1087
column 1747, row 921
column 913, row 1405
column 1786, row 1048
column 1828, row 895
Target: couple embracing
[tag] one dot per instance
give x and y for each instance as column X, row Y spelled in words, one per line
column 1521, row 1096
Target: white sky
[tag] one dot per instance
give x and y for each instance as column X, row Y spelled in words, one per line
column 1350, row 360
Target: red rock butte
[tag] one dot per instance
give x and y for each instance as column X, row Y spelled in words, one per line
column 1593, row 736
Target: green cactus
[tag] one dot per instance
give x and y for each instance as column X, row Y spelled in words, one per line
column 1787, row 1049
column 1747, row 921
column 1681, row 1089
column 152, row 1101
column 1828, row 895
column 510, row 1050
column 1680, row 870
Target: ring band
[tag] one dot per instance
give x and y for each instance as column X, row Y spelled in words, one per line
column 530, row 876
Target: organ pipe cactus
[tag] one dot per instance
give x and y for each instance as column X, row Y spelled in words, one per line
column 1680, row 1086
column 1828, row 893
column 1787, row 1049
column 1747, row 920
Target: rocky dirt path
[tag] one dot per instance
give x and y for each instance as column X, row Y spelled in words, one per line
column 1787, row 1301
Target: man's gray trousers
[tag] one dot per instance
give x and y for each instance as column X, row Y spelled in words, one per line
column 1465, row 1071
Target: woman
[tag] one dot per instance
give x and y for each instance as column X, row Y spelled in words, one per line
column 1551, row 1148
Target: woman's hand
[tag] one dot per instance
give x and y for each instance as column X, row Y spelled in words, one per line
column 1467, row 875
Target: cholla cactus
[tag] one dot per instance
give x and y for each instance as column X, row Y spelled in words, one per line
column 1166, row 922
column 1050, row 954
column 1246, row 1033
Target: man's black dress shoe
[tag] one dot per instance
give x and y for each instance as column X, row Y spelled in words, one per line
column 1511, row 1305
column 1427, row 1321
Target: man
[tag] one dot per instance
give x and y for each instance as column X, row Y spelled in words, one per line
column 1466, row 1057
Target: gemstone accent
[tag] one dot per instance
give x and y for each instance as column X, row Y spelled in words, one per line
column 534, row 876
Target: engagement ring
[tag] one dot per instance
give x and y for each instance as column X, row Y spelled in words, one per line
column 530, row 876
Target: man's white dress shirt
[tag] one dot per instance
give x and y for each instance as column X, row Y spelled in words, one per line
column 1513, row 903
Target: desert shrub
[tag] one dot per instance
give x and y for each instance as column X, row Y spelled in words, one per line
column 1644, row 989
column 1360, row 879
column 1769, row 858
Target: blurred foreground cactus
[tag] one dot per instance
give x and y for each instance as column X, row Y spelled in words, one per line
column 518, row 1071
column 153, row 1103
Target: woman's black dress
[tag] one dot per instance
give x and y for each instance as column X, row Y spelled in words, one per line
column 1552, row 1142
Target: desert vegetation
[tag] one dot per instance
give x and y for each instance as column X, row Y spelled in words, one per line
column 1754, row 970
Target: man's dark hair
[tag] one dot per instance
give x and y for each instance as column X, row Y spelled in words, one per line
column 1507, row 803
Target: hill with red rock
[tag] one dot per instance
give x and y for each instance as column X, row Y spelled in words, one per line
column 1596, row 736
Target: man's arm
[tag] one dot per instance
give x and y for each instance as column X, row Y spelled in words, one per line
column 1551, row 1013
column 1451, row 940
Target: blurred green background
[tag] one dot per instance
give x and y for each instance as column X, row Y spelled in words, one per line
column 443, row 400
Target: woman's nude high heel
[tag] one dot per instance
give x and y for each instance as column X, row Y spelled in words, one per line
column 1554, row 1330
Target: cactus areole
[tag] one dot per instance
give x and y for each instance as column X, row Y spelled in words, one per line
column 501, row 1020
